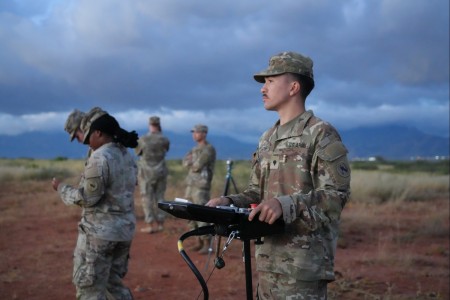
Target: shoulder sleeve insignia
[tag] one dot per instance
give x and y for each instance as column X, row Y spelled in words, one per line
column 343, row 169
column 92, row 186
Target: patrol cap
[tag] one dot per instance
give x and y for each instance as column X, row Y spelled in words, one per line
column 287, row 62
column 88, row 119
column 200, row 128
column 154, row 120
column 73, row 122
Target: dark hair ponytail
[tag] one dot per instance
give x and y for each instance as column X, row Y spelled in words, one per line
column 109, row 125
column 127, row 139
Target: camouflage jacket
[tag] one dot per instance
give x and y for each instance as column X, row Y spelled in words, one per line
column 307, row 170
column 106, row 194
column 200, row 163
column 152, row 149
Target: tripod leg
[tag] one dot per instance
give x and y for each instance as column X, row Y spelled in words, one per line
column 234, row 185
column 227, row 185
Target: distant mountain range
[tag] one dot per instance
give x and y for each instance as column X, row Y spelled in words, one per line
column 394, row 142
column 389, row 142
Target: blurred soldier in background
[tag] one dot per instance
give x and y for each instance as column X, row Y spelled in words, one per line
column 152, row 176
column 108, row 220
column 200, row 164
column 300, row 172
column 73, row 124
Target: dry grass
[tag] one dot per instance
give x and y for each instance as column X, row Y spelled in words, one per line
column 30, row 169
column 407, row 222
column 371, row 187
column 379, row 187
column 409, row 239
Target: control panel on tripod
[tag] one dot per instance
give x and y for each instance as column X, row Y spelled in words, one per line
column 225, row 218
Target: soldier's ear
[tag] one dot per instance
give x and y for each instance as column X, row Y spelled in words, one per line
column 295, row 88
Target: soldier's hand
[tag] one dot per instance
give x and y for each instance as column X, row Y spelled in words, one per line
column 55, row 183
column 218, row 201
column 269, row 210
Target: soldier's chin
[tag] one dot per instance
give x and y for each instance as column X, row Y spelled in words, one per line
column 269, row 107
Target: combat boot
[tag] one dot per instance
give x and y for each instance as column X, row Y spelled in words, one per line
column 148, row 229
column 205, row 248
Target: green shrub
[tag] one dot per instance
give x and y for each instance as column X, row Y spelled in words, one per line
column 428, row 166
column 60, row 158
column 364, row 165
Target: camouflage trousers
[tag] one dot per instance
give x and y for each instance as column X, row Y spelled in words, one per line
column 152, row 192
column 275, row 286
column 197, row 196
column 99, row 267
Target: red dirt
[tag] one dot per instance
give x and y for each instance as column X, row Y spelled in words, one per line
column 38, row 234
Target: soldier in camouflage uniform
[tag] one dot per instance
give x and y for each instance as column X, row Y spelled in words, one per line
column 200, row 164
column 300, row 173
column 72, row 126
column 152, row 175
column 108, row 220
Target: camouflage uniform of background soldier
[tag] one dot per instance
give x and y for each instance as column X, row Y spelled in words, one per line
column 152, row 176
column 108, row 220
column 200, row 164
column 301, row 168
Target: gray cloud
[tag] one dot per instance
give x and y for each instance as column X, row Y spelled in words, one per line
column 199, row 57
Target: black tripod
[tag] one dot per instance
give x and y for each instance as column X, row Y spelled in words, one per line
column 228, row 179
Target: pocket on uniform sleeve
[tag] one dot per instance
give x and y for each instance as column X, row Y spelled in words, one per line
column 334, row 156
column 93, row 182
column 332, row 151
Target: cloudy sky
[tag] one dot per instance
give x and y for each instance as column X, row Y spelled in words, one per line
column 189, row 61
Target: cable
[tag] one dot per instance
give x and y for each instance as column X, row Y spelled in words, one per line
column 199, row 231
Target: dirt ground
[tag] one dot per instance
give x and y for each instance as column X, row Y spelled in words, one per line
column 38, row 234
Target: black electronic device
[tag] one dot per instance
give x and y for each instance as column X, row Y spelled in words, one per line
column 226, row 219
column 201, row 213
